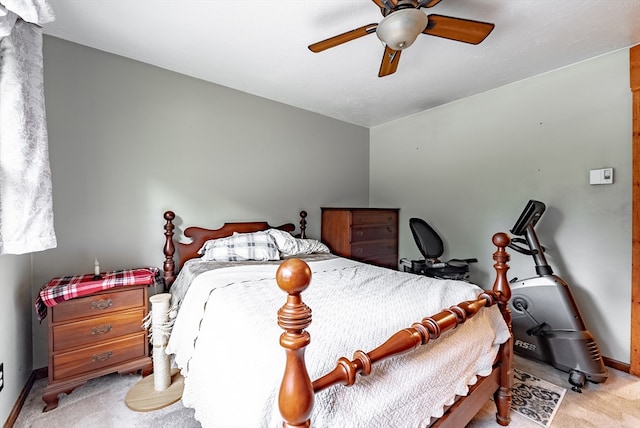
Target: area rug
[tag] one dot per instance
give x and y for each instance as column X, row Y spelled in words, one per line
column 534, row 398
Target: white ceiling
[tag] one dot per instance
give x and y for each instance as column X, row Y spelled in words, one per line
column 260, row 47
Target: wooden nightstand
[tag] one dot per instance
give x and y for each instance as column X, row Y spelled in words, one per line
column 96, row 335
column 366, row 234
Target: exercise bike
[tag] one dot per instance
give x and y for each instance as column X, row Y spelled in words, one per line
column 547, row 324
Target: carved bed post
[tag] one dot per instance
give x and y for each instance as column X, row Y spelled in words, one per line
column 501, row 286
column 169, row 266
column 295, row 399
column 303, row 224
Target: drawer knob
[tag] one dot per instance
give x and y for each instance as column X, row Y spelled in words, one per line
column 103, row 356
column 359, row 234
column 101, row 304
column 101, row 329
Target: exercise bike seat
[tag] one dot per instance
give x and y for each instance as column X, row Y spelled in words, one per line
column 431, row 247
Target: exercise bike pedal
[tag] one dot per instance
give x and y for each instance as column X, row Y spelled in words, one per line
column 577, row 379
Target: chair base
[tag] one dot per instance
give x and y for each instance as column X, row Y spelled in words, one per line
column 443, row 271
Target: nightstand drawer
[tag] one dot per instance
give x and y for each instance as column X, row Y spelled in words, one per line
column 96, row 329
column 98, row 304
column 97, row 334
column 75, row 363
column 374, row 217
column 373, row 233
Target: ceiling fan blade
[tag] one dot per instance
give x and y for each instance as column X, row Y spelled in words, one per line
column 461, row 30
column 390, row 61
column 428, row 3
column 386, row 4
column 343, row 38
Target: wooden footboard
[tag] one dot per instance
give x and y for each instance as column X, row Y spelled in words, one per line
column 297, row 391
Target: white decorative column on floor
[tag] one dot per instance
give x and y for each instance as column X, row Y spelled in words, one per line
column 160, row 330
column 164, row 386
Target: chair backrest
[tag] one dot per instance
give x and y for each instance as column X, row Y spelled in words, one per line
column 428, row 241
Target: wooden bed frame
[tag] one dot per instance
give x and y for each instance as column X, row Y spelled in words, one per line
column 293, row 276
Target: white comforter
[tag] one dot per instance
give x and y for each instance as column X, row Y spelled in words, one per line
column 225, row 340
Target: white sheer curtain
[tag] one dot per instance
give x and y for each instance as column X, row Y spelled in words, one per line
column 26, row 207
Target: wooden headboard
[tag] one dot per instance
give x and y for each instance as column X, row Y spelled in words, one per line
column 199, row 235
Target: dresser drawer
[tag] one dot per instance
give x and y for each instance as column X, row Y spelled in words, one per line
column 373, row 233
column 389, row 261
column 370, row 250
column 98, row 304
column 75, row 363
column 374, row 217
column 89, row 331
column 366, row 234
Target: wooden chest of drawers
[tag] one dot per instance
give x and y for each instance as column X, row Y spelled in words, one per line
column 96, row 335
column 366, row 234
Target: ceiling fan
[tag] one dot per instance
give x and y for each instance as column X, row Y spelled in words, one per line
column 403, row 22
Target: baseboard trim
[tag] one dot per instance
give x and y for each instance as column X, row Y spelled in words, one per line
column 17, row 407
column 615, row 364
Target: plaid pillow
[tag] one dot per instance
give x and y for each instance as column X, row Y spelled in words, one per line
column 288, row 245
column 240, row 247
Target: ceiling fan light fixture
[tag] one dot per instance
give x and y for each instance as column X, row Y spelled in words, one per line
column 399, row 29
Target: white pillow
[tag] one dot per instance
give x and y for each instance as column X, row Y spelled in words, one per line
column 292, row 246
column 239, row 247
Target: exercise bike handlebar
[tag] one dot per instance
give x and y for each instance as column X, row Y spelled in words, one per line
column 522, row 250
column 529, row 217
column 525, row 227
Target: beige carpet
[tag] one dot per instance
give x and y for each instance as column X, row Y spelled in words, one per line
column 612, row 404
column 100, row 403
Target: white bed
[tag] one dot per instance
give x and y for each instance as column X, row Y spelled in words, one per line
column 226, row 333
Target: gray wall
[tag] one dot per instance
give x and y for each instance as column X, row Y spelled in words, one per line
column 469, row 168
column 15, row 328
column 128, row 141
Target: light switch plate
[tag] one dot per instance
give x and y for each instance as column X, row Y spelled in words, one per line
column 601, row 176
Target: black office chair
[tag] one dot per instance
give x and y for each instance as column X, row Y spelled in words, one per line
column 431, row 246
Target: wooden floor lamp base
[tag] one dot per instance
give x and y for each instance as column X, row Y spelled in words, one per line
column 144, row 398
